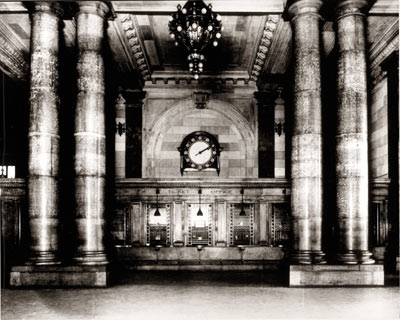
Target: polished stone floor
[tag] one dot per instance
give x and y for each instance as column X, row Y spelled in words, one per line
column 208, row 295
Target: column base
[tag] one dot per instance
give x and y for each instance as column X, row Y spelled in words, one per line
column 91, row 258
column 336, row 275
column 42, row 259
column 65, row 276
column 308, row 257
column 355, row 257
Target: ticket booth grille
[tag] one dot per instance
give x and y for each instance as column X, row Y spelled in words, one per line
column 158, row 225
column 241, row 224
column 199, row 225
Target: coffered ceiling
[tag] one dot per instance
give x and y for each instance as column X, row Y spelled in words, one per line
column 255, row 45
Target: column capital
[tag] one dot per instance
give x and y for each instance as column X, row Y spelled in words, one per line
column 99, row 8
column 345, row 7
column 304, row 6
column 54, row 8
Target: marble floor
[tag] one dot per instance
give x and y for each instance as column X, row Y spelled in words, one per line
column 202, row 295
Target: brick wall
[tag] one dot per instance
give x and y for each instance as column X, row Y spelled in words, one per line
column 378, row 130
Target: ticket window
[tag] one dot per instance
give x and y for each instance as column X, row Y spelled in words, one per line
column 241, row 224
column 158, row 225
column 199, row 224
column 280, row 225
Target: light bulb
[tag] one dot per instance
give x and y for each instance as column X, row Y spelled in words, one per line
column 210, row 28
column 204, row 11
column 172, row 36
column 201, row 69
column 196, row 76
column 184, row 11
column 176, row 43
column 200, row 64
column 218, row 35
column 179, row 28
column 222, row 28
column 218, row 17
column 215, row 43
column 194, row 25
column 171, row 18
column 190, row 65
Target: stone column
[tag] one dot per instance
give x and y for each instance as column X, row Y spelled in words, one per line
column 90, row 150
column 43, row 165
column 306, row 204
column 280, row 138
column 120, row 136
column 352, row 135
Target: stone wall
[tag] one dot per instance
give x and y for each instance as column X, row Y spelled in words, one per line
column 169, row 115
column 379, row 131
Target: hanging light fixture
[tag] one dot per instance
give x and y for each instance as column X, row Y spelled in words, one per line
column 157, row 212
column 194, row 26
column 242, row 212
column 199, row 213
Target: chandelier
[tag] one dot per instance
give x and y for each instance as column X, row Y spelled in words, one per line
column 194, row 26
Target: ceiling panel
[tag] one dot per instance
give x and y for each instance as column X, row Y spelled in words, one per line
column 234, row 52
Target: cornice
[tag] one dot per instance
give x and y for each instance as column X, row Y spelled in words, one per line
column 13, row 60
column 383, row 47
column 189, row 80
column 133, row 39
column 264, row 46
column 192, row 183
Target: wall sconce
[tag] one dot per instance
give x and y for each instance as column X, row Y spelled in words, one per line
column 200, row 99
column 279, row 128
column 157, row 212
column 199, row 213
column 242, row 212
column 120, row 128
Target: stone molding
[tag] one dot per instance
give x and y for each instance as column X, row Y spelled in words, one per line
column 19, row 184
column 264, row 46
column 192, row 183
column 99, row 8
column 382, row 49
column 304, row 7
column 55, row 8
column 136, row 47
column 349, row 7
column 13, row 61
column 203, row 80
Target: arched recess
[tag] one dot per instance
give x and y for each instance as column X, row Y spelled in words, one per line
column 237, row 134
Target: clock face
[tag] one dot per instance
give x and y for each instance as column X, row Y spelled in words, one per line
column 200, row 152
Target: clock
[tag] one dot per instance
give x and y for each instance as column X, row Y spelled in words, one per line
column 200, row 151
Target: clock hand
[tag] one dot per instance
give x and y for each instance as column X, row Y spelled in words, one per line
column 200, row 152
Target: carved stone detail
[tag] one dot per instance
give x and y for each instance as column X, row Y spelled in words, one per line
column 263, row 48
column 133, row 40
column 383, row 48
column 13, row 60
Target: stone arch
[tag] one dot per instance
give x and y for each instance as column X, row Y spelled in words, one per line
column 161, row 158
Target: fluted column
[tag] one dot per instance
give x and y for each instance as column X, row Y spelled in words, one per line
column 90, row 151
column 306, row 204
column 352, row 135
column 43, row 165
